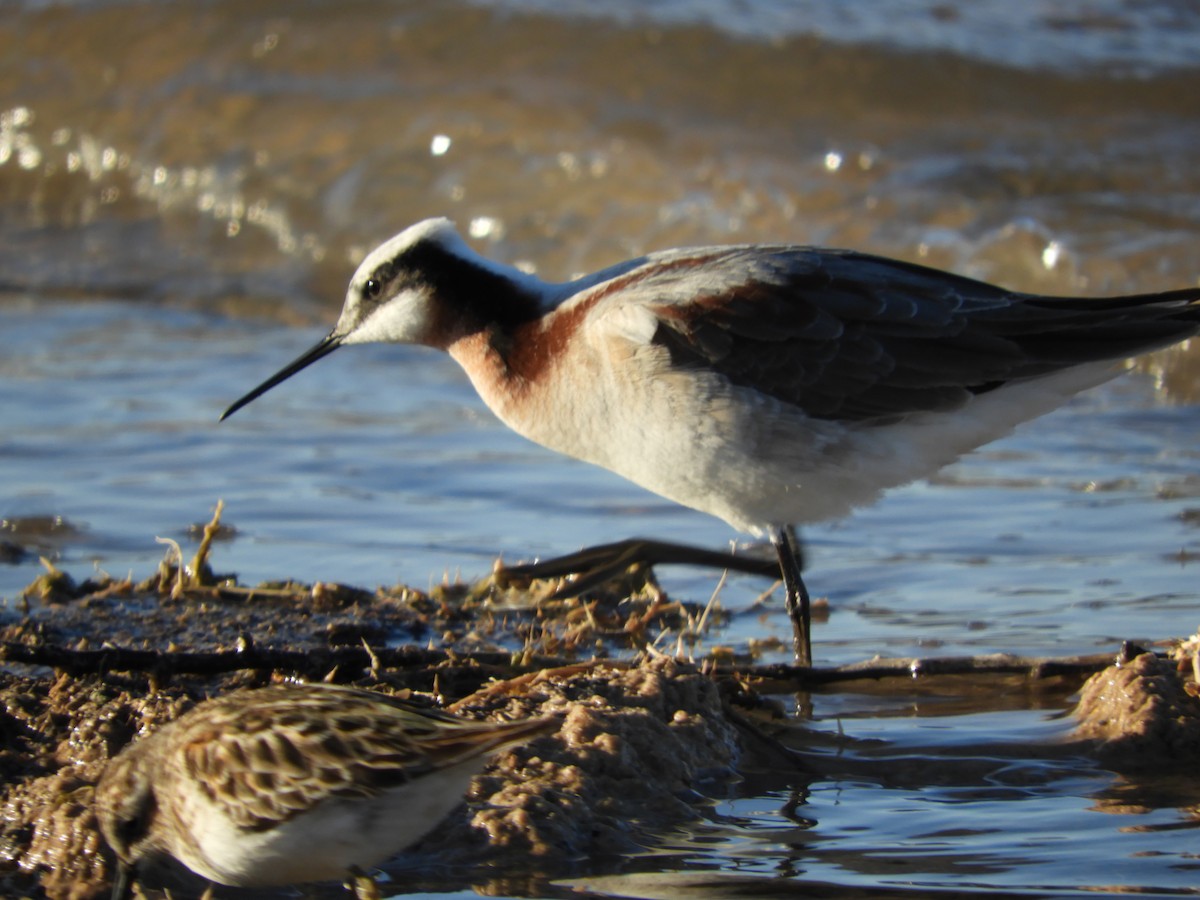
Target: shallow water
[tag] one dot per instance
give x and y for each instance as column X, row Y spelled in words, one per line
column 184, row 190
column 1068, row 537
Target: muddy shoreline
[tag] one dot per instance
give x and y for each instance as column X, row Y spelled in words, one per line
column 649, row 740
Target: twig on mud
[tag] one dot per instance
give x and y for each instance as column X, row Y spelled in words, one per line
column 778, row 678
column 176, row 552
column 311, row 663
column 200, row 560
column 782, row 678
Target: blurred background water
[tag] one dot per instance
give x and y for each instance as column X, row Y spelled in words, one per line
column 185, row 188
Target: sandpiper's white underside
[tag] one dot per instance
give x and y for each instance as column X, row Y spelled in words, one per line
column 324, row 843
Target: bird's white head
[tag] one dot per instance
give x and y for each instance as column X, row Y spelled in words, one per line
column 392, row 294
column 423, row 286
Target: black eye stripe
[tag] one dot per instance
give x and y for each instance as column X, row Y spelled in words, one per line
column 380, row 278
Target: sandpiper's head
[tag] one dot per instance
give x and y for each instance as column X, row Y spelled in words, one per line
column 391, row 296
column 126, row 809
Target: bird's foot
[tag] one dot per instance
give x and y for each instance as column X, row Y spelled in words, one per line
column 362, row 886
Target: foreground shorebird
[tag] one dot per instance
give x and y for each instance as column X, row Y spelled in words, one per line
column 292, row 783
column 767, row 385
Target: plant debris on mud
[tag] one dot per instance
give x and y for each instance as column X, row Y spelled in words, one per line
column 92, row 665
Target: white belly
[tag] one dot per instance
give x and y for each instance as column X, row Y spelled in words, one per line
column 756, row 462
column 325, row 842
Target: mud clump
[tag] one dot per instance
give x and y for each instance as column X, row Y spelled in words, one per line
column 1141, row 714
column 636, row 746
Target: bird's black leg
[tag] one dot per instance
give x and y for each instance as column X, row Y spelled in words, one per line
column 595, row 565
column 787, row 545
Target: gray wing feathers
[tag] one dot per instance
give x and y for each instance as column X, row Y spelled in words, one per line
column 845, row 335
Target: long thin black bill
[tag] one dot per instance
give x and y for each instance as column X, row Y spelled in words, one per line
column 123, row 882
column 323, row 349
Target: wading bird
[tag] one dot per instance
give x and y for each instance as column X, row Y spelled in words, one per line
column 767, row 385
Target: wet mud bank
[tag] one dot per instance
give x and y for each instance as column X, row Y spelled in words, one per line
column 648, row 741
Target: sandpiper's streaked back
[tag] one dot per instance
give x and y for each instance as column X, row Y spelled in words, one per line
column 292, row 783
column 768, row 385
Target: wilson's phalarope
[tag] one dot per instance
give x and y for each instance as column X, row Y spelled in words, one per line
column 764, row 384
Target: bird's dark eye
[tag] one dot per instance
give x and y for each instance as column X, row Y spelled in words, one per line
column 373, row 288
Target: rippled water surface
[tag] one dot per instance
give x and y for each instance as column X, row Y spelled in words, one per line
column 185, row 188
